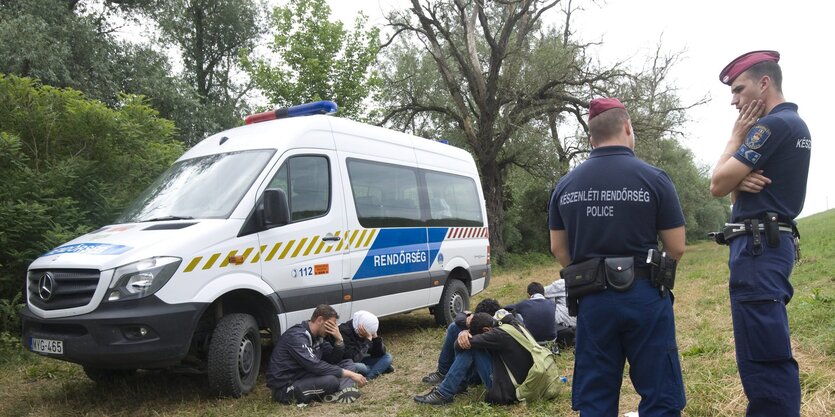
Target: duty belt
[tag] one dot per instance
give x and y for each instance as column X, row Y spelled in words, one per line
column 769, row 226
column 732, row 230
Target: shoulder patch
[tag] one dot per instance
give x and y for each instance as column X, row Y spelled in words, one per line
column 748, row 154
column 757, row 136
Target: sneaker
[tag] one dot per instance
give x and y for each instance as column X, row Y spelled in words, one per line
column 389, row 370
column 347, row 395
column 434, row 397
column 434, row 378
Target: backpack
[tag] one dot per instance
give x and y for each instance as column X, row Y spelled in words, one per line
column 543, row 380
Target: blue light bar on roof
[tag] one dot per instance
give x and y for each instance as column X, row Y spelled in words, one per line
column 307, row 109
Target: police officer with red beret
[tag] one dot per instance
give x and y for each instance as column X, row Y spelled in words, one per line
column 605, row 216
column 765, row 166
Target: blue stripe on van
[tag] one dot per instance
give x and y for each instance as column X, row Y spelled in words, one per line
column 400, row 251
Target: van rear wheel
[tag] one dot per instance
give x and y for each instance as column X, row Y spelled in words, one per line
column 455, row 299
column 234, row 355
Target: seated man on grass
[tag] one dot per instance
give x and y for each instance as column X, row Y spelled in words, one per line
column 566, row 324
column 297, row 371
column 447, row 356
column 506, row 357
column 537, row 313
column 364, row 347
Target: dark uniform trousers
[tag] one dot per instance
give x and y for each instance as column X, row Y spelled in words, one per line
column 637, row 325
column 759, row 291
column 314, row 387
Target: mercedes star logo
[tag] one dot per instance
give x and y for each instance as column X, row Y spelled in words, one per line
column 46, row 285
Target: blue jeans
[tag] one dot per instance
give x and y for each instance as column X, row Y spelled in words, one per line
column 372, row 367
column 459, row 373
column 447, row 355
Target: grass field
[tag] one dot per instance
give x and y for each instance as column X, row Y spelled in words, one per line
column 34, row 386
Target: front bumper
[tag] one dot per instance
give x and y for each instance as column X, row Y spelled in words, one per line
column 109, row 337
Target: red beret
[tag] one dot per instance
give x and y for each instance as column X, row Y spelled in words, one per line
column 599, row 105
column 742, row 63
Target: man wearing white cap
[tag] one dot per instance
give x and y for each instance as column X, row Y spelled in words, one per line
column 364, row 346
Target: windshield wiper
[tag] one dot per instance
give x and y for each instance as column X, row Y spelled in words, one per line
column 158, row 219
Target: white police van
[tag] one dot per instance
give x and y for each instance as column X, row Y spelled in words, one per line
column 247, row 232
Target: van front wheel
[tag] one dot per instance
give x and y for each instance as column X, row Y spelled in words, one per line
column 455, row 299
column 234, row 355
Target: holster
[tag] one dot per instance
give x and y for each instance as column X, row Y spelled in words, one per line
column 620, row 272
column 662, row 271
column 772, row 230
column 581, row 279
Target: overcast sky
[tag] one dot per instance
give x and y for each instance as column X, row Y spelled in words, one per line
column 712, row 33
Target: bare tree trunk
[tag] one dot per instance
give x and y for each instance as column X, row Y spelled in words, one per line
column 493, row 187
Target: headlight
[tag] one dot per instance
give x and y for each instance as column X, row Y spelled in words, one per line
column 142, row 278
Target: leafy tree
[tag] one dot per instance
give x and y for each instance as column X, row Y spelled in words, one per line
column 499, row 70
column 67, row 165
column 517, row 92
column 211, row 35
column 74, row 45
column 317, row 59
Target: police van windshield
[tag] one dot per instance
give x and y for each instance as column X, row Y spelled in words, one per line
column 205, row 187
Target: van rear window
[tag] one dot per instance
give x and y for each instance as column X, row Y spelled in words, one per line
column 387, row 195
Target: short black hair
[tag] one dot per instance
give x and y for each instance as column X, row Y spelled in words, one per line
column 480, row 321
column 770, row 68
column 535, row 288
column 324, row 310
column 488, row 305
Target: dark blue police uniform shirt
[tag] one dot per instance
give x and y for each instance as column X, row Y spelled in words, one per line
column 613, row 204
column 781, row 146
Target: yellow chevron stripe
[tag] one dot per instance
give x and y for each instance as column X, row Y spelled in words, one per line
column 351, row 240
column 299, row 247
column 226, row 259
column 193, row 264
column 246, row 254
column 319, row 249
column 287, row 248
column 312, row 244
column 370, row 237
column 362, row 236
column 342, row 241
column 258, row 255
column 272, row 252
column 211, row 261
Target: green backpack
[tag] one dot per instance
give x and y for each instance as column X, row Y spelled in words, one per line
column 543, row 380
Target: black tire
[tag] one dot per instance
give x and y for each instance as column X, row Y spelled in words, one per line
column 455, row 299
column 102, row 375
column 234, row 355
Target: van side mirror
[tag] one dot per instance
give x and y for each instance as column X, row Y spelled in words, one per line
column 276, row 209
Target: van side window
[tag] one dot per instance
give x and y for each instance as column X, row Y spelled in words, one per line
column 385, row 195
column 306, row 181
column 453, row 200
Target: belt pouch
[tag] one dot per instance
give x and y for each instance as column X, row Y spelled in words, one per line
column 584, row 278
column 772, row 230
column 620, row 273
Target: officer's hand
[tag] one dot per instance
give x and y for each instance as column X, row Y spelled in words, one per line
column 464, row 339
column 754, row 182
column 748, row 116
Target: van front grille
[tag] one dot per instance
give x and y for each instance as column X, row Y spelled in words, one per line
column 56, row 289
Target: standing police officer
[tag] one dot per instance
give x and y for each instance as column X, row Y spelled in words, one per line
column 614, row 206
column 765, row 164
